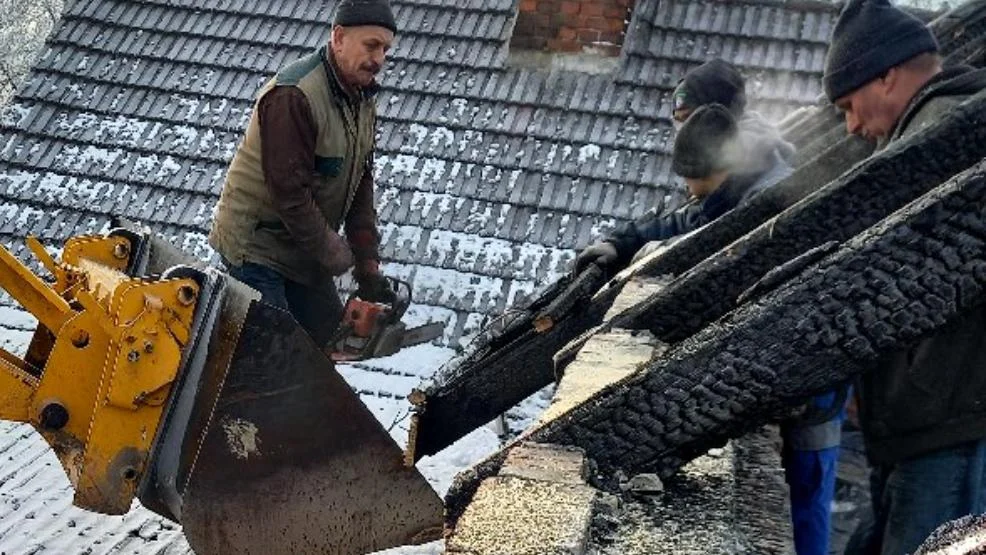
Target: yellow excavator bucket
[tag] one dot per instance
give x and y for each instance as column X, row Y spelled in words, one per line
column 155, row 379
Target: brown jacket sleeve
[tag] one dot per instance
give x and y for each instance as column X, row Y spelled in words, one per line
column 288, row 133
column 361, row 226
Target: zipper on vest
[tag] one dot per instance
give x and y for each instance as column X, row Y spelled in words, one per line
column 350, row 118
column 355, row 183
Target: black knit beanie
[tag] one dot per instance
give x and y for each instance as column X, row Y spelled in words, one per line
column 714, row 81
column 869, row 38
column 700, row 145
column 350, row 13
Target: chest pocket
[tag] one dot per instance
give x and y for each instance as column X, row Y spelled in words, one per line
column 328, row 166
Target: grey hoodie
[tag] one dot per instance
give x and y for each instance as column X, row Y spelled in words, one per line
column 763, row 147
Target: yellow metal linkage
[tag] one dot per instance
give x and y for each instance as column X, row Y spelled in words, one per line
column 100, row 367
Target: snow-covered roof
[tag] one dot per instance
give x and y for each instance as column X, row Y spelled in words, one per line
column 489, row 177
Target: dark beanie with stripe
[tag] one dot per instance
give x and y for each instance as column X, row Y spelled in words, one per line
column 715, row 81
column 871, row 37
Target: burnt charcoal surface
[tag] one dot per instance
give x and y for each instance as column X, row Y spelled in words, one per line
column 885, row 289
column 474, row 390
column 847, row 206
column 901, row 280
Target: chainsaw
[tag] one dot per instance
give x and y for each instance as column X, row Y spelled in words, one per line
column 373, row 329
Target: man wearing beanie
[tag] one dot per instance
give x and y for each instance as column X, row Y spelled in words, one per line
column 718, row 82
column 714, row 82
column 921, row 410
column 724, row 162
column 304, row 170
column 756, row 150
column 707, row 154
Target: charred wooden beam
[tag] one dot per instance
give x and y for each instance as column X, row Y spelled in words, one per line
column 471, row 394
column 511, row 364
column 960, row 32
column 885, row 289
column 845, row 207
column 468, row 393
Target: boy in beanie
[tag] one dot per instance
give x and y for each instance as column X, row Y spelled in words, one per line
column 703, row 151
column 719, row 82
column 756, row 149
column 725, row 155
column 304, row 170
column 921, row 410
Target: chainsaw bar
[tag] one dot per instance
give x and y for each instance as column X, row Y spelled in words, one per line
column 422, row 334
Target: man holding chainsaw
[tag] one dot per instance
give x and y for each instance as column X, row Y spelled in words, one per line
column 305, row 169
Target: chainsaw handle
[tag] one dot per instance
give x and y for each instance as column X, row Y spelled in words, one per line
column 402, row 292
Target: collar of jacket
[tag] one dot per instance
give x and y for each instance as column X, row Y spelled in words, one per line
column 960, row 79
column 728, row 195
column 335, row 83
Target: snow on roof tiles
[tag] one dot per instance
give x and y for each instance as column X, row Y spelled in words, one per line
column 488, row 176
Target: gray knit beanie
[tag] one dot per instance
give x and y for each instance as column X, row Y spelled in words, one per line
column 869, row 38
column 700, row 147
column 350, row 13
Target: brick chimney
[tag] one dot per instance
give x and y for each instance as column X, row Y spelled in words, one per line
column 572, row 26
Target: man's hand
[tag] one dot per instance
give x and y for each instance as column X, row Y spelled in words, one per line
column 376, row 288
column 602, row 254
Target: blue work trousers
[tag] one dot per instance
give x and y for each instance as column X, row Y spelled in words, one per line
column 318, row 311
column 811, row 480
column 810, row 458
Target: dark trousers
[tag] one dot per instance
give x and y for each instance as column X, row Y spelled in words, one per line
column 913, row 497
column 318, row 311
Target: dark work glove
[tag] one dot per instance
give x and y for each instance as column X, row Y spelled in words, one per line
column 602, row 254
column 376, row 288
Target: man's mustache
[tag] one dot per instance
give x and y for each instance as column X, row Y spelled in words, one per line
column 371, row 67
